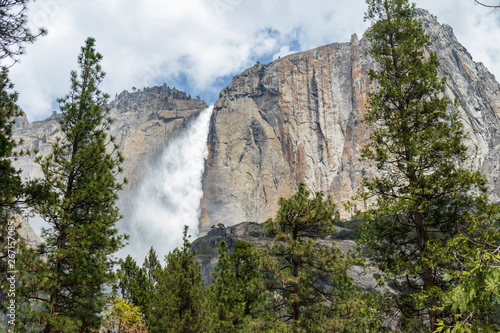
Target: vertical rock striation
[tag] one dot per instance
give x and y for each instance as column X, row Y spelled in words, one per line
column 300, row 119
column 296, row 119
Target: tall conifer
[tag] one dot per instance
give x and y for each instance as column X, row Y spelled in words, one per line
column 14, row 33
column 10, row 181
column 9, row 176
column 64, row 290
column 235, row 298
column 137, row 284
column 422, row 197
column 178, row 294
column 309, row 283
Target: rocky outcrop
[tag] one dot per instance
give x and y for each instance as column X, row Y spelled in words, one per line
column 479, row 93
column 296, row 119
column 205, row 249
column 25, row 231
column 300, row 119
column 143, row 122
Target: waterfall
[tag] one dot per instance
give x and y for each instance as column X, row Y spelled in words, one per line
column 168, row 198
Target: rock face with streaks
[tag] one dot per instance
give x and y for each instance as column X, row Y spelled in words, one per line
column 143, row 122
column 300, row 119
column 25, row 231
column 296, row 119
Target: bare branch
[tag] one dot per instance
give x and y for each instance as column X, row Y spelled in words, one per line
column 485, row 5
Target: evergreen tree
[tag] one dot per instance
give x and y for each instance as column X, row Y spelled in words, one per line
column 9, row 176
column 178, row 295
column 150, row 266
column 235, row 299
column 13, row 28
column 422, row 198
column 14, row 33
column 64, row 290
column 137, row 284
column 224, row 307
column 246, row 264
column 473, row 298
column 303, row 270
column 127, row 274
column 11, row 186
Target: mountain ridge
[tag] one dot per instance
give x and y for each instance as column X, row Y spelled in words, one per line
column 145, row 118
column 300, row 119
column 296, row 119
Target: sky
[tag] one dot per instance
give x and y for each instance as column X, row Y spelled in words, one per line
column 198, row 45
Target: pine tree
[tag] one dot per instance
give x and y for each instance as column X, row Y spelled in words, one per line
column 11, row 186
column 235, row 299
column 246, row 263
column 178, row 295
column 137, row 284
column 224, row 308
column 422, row 198
column 127, row 274
column 473, row 298
column 302, row 269
column 64, row 290
column 9, row 176
column 14, row 33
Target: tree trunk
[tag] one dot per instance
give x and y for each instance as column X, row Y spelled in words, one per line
column 296, row 303
column 427, row 274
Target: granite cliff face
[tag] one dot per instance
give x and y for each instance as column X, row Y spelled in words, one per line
column 300, row 119
column 25, row 231
column 296, row 119
column 144, row 121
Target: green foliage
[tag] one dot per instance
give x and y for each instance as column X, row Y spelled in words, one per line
column 123, row 317
column 11, row 186
column 474, row 297
column 352, row 229
column 235, row 298
column 422, row 199
column 13, row 29
column 178, row 293
column 254, row 234
column 308, row 281
column 300, row 216
column 224, row 307
column 77, row 196
column 14, row 33
column 136, row 284
column 127, row 274
column 9, row 177
column 145, row 283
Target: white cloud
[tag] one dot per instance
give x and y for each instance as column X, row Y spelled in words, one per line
column 477, row 28
column 147, row 42
column 284, row 51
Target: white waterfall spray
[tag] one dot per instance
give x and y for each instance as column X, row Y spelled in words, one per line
column 169, row 196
